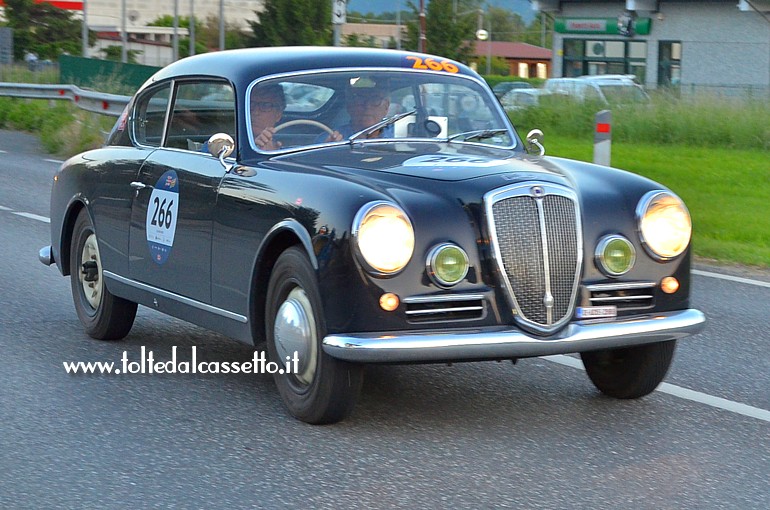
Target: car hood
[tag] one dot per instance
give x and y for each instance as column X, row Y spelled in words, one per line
column 397, row 164
column 446, row 162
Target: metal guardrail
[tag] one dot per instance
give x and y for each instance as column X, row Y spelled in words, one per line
column 97, row 102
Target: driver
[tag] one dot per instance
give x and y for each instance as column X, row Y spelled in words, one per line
column 367, row 103
column 266, row 108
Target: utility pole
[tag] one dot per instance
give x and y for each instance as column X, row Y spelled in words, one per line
column 423, row 37
column 339, row 18
column 192, row 27
column 221, row 25
column 123, row 34
column 175, row 37
column 84, row 32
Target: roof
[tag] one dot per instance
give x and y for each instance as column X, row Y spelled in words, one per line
column 513, row 50
column 246, row 65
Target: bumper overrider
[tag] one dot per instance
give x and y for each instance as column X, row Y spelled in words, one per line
column 509, row 343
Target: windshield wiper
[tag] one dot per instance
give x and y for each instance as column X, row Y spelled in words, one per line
column 380, row 125
column 479, row 134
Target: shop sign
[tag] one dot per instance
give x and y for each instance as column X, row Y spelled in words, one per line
column 604, row 26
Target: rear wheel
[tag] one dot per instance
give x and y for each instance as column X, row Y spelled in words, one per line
column 629, row 372
column 104, row 316
column 323, row 389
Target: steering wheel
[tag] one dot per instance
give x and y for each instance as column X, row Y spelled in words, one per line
column 313, row 123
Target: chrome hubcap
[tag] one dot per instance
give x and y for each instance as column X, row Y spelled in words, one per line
column 90, row 275
column 295, row 331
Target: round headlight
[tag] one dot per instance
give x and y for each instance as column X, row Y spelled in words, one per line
column 384, row 237
column 664, row 224
column 615, row 255
column 447, row 264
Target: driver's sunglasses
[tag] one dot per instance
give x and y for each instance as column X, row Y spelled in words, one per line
column 266, row 106
column 368, row 101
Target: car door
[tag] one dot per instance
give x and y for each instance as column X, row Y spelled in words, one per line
column 176, row 191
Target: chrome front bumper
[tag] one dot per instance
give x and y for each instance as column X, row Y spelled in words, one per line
column 505, row 343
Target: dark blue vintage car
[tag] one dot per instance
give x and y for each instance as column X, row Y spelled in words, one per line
column 359, row 206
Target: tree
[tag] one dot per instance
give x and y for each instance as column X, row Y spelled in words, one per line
column 293, row 23
column 360, row 40
column 448, row 33
column 506, row 25
column 206, row 33
column 235, row 37
column 167, row 20
column 43, row 29
column 534, row 33
column 114, row 52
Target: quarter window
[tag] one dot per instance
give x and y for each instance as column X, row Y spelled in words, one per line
column 149, row 116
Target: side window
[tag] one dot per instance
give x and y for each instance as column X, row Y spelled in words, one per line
column 200, row 110
column 149, row 117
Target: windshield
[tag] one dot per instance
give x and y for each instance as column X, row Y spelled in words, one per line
column 345, row 106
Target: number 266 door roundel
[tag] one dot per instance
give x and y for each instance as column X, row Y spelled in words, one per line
column 161, row 216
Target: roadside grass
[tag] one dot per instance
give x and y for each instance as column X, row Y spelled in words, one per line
column 726, row 190
column 697, row 122
column 64, row 129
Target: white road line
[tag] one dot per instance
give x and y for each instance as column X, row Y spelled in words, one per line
column 678, row 391
column 731, row 278
column 57, row 161
column 33, row 216
column 5, row 208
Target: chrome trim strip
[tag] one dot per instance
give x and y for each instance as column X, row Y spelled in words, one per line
column 506, row 342
column 599, row 287
column 620, row 298
column 443, row 297
column 548, row 298
column 438, row 311
column 176, row 297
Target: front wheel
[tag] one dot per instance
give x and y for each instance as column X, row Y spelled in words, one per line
column 104, row 316
column 629, row 372
column 322, row 389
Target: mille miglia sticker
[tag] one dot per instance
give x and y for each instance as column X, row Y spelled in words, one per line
column 162, row 212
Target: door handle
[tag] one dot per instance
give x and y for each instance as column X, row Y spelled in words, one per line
column 139, row 185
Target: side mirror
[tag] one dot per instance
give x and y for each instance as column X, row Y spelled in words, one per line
column 221, row 145
column 535, row 142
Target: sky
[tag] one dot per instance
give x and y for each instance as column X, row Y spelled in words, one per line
column 522, row 7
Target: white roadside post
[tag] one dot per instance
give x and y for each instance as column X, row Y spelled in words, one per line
column 603, row 138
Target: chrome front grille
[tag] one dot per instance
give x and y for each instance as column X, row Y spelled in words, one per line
column 536, row 239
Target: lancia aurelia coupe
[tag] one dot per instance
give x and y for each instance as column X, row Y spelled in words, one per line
column 431, row 233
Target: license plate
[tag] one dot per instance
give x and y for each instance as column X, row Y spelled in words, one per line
column 596, row 312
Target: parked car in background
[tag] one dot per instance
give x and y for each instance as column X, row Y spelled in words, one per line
column 518, row 99
column 502, row 88
column 605, row 89
column 432, row 235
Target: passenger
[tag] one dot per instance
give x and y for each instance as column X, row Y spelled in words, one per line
column 266, row 109
column 367, row 103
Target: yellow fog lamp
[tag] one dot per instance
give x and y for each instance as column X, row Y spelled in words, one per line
column 447, row 264
column 615, row 255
